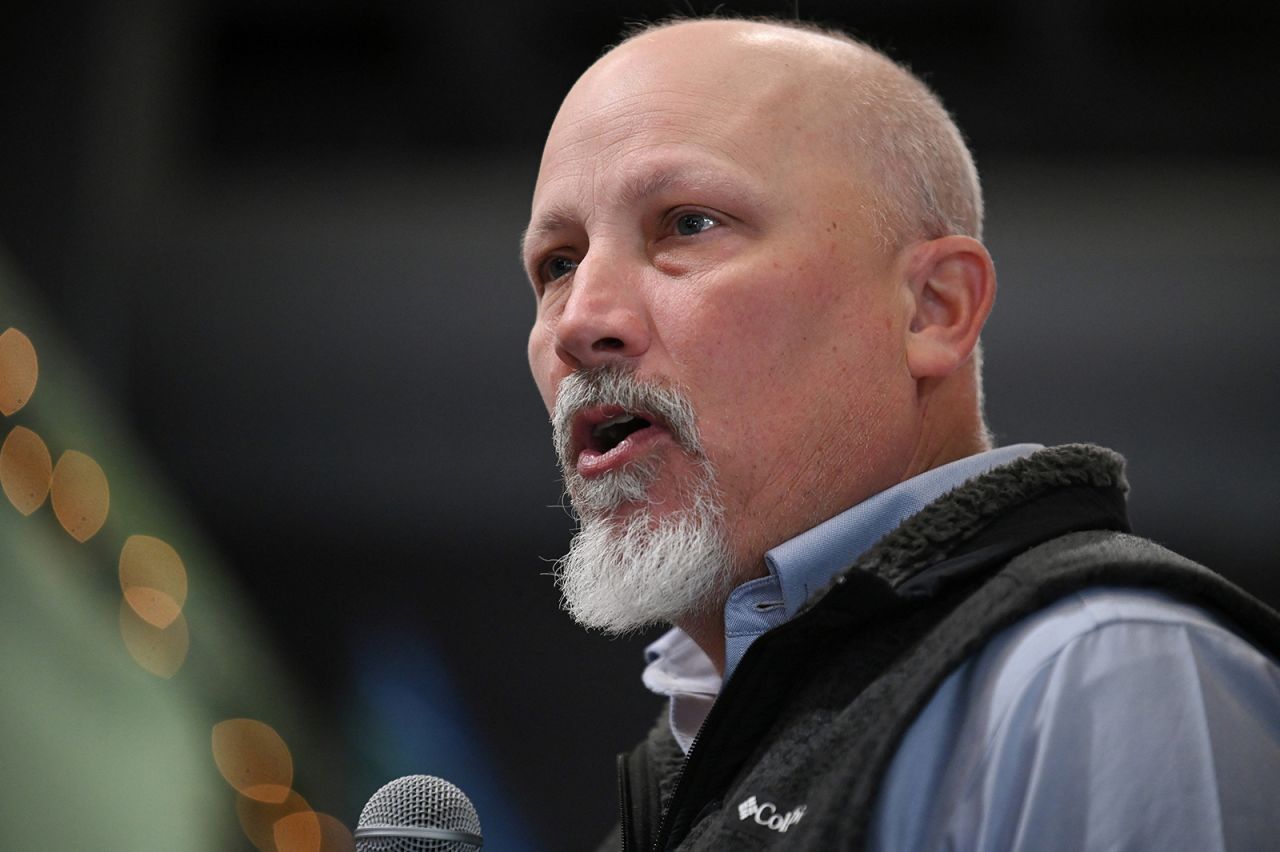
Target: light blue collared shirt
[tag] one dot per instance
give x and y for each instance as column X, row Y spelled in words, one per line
column 805, row 565
column 1116, row 718
column 798, row 569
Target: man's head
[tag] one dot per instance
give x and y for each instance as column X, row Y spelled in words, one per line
column 760, row 242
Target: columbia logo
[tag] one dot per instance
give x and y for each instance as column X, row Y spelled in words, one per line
column 768, row 816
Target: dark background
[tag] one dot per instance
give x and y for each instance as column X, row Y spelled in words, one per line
column 282, row 236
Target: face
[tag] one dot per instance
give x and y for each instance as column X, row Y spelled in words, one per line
column 699, row 225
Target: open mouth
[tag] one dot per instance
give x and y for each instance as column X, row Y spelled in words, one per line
column 609, row 437
column 610, row 433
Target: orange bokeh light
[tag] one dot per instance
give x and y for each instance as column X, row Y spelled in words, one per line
column 253, row 759
column 334, row 835
column 309, row 831
column 258, row 819
column 26, row 469
column 298, row 832
column 153, row 579
column 19, row 371
column 80, row 495
column 159, row 650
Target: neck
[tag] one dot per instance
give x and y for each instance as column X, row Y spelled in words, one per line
column 708, row 633
column 707, row 628
column 951, row 423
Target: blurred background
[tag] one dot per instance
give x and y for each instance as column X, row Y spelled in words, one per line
column 267, row 253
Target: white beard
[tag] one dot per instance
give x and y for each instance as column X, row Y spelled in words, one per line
column 624, row 576
column 621, row 576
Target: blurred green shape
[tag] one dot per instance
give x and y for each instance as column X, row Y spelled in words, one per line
column 95, row 753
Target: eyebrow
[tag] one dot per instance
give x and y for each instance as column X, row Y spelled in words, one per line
column 637, row 189
column 556, row 219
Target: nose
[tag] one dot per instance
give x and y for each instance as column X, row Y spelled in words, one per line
column 604, row 319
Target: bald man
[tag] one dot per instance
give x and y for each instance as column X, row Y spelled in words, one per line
column 756, row 252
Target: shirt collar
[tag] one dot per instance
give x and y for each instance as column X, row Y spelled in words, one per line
column 805, row 565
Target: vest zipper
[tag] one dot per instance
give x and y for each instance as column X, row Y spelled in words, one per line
column 627, row 830
column 660, row 840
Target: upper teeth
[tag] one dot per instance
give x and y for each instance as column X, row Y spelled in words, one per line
column 613, row 421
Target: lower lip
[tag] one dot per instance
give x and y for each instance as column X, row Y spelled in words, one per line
column 595, row 463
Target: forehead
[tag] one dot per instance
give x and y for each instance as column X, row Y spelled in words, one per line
column 745, row 103
column 627, row 156
column 615, row 133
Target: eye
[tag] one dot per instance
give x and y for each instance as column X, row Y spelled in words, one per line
column 689, row 224
column 557, row 267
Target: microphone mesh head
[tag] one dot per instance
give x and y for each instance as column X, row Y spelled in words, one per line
column 418, row 801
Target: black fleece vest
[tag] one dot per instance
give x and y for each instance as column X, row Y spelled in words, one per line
column 818, row 706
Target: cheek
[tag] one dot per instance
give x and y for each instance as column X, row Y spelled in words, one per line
column 786, row 327
column 542, row 361
column 769, row 359
column 740, row 358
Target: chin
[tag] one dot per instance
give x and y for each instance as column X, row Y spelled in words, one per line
column 650, row 563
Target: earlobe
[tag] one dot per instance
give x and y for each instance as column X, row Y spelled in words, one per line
column 952, row 285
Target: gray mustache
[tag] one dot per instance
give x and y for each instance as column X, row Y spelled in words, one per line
column 617, row 385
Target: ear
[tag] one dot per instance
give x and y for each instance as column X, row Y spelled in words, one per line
column 952, row 284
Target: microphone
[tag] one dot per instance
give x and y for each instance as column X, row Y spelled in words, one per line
column 418, row 813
